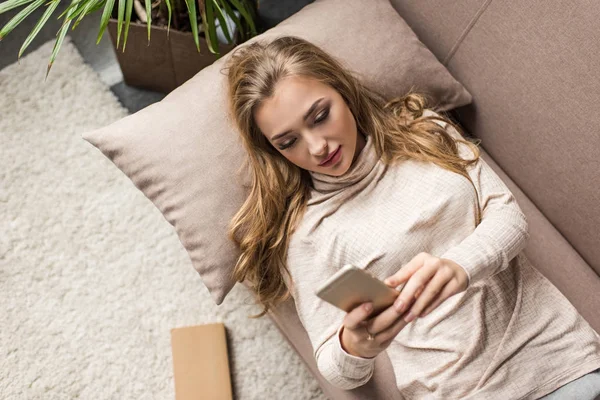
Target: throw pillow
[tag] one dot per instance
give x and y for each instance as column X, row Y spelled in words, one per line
column 183, row 153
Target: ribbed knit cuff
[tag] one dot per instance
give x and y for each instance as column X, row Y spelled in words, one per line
column 462, row 258
column 348, row 365
column 494, row 243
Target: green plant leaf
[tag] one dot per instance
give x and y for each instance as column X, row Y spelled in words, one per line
column 61, row 36
column 169, row 9
column 128, row 8
column 251, row 6
column 98, row 5
column 77, row 9
column 148, row 17
column 17, row 19
column 210, row 30
column 222, row 21
column 120, row 16
column 105, row 17
column 71, row 6
column 241, row 7
column 232, row 15
column 10, row 4
column 84, row 8
column 42, row 21
column 191, row 6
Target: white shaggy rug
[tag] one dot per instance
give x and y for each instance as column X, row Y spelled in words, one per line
column 92, row 277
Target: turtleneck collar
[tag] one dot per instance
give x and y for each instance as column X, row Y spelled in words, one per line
column 362, row 166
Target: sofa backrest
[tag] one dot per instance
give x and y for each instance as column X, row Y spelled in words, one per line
column 533, row 70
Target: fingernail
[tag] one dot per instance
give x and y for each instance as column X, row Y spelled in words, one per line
column 409, row 317
column 399, row 306
column 389, row 281
column 368, row 306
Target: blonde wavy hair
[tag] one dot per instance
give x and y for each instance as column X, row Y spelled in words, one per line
column 279, row 189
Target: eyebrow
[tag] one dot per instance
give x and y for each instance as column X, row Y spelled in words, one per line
column 304, row 118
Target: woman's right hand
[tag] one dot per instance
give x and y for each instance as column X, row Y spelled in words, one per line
column 384, row 327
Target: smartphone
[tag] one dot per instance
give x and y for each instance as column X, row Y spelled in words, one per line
column 351, row 286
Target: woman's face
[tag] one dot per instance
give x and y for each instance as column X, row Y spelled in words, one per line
column 308, row 121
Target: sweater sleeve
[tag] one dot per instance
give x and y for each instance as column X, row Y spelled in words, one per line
column 503, row 230
column 340, row 368
column 323, row 321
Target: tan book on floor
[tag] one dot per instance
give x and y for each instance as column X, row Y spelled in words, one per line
column 200, row 362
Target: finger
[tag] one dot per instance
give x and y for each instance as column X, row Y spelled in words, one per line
column 391, row 332
column 415, row 284
column 419, row 291
column 357, row 315
column 444, row 294
column 407, row 270
column 382, row 321
column 438, row 300
column 433, row 288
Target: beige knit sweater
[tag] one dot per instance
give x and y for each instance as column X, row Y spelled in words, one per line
column 511, row 335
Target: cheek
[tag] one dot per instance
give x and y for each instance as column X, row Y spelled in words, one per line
column 345, row 123
column 300, row 158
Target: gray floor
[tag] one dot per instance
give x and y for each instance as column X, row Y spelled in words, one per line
column 101, row 57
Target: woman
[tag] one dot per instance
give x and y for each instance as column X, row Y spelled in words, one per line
column 341, row 176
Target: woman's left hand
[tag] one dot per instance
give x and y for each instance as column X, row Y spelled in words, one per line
column 431, row 280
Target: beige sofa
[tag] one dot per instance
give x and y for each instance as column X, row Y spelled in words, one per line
column 532, row 68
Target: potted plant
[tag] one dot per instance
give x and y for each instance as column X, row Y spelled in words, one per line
column 175, row 55
column 203, row 30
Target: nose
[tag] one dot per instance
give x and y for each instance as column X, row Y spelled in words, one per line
column 318, row 148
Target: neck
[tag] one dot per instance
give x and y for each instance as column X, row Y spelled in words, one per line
column 363, row 163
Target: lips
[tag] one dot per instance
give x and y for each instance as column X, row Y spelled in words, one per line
column 330, row 157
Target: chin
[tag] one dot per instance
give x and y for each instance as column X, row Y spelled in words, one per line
column 341, row 168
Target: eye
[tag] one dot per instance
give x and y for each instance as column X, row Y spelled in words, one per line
column 323, row 116
column 287, row 145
